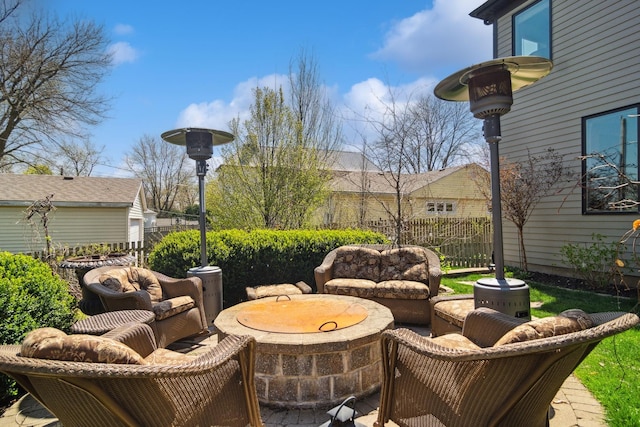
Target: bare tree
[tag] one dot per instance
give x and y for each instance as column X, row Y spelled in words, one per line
column 522, row 186
column 79, row 159
column 395, row 137
column 444, row 132
column 49, row 73
column 317, row 125
column 163, row 169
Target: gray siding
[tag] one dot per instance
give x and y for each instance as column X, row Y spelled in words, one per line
column 595, row 48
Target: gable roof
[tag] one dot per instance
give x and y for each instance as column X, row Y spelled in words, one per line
column 79, row 191
column 382, row 183
column 350, row 161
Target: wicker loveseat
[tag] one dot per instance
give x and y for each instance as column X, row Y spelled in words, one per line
column 177, row 303
column 402, row 279
column 122, row 379
column 501, row 371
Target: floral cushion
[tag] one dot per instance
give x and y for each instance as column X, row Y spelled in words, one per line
column 130, row 279
column 171, row 307
column 53, row 344
column 454, row 311
column 566, row 322
column 401, row 289
column 354, row 262
column 361, row 288
column 404, row 264
column 390, row 289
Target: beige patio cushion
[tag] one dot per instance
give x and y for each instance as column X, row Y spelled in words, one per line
column 566, row 322
column 171, row 307
column 53, row 344
column 162, row 356
column 456, row 341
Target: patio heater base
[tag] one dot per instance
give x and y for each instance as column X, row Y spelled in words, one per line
column 508, row 296
column 211, row 290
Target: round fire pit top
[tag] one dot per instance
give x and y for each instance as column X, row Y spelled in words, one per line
column 285, row 315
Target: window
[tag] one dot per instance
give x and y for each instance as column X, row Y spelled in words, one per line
column 532, row 30
column 435, row 208
column 610, row 168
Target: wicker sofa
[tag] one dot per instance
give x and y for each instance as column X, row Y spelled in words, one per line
column 402, row 279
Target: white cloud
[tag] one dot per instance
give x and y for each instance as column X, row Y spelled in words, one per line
column 123, row 29
column 216, row 114
column 444, row 38
column 122, row 52
column 367, row 102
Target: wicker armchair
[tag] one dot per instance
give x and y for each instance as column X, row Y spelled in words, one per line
column 453, row 381
column 167, row 389
column 177, row 303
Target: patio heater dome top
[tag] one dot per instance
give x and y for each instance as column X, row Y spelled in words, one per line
column 179, row 136
column 199, row 142
column 523, row 70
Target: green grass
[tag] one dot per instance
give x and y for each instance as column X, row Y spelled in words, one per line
column 612, row 371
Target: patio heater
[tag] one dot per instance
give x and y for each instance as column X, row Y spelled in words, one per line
column 489, row 88
column 200, row 143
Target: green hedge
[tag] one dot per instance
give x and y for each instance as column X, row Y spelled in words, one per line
column 258, row 257
column 31, row 297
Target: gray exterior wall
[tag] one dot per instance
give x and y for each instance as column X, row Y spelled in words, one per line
column 596, row 56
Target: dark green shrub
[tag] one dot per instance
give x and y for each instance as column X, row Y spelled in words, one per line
column 258, row 257
column 31, row 296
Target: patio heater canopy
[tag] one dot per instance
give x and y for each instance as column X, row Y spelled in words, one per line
column 199, row 142
column 523, row 71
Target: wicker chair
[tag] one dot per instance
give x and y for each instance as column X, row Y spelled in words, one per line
column 436, row 382
column 214, row 388
column 177, row 303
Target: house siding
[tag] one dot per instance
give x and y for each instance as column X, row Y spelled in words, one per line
column 67, row 227
column 595, row 47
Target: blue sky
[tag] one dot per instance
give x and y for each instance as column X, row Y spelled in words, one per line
column 194, row 63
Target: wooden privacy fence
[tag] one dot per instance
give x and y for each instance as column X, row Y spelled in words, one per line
column 464, row 242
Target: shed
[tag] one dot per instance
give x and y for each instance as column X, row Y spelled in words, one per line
column 86, row 210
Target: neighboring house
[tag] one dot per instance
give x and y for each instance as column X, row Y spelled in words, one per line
column 357, row 196
column 87, row 210
column 589, row 103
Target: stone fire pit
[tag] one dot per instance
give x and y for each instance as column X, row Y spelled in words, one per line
column 306, row 367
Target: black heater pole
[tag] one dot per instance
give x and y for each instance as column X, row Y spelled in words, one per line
column 492, row 136
column 201, row 171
